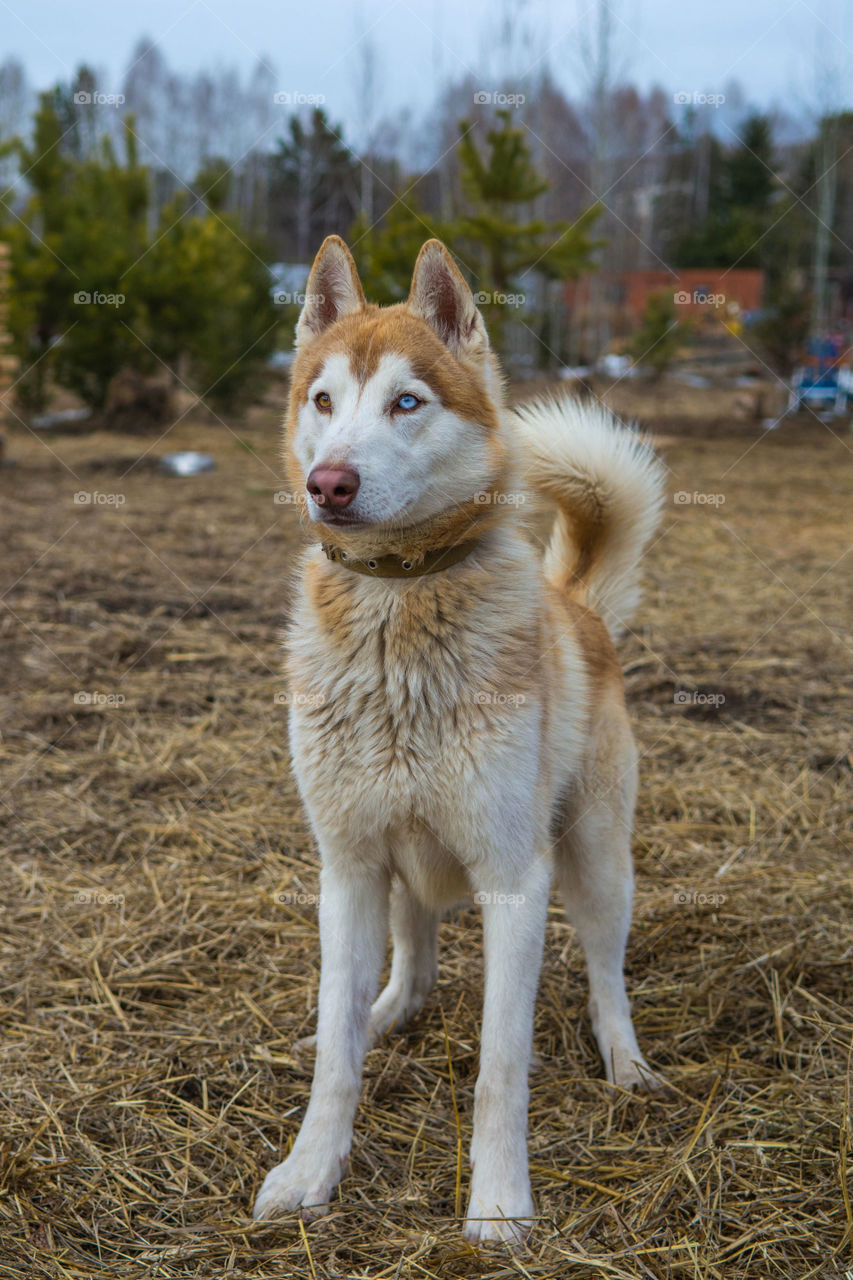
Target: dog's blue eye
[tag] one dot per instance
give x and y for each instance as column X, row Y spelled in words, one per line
column 407, row 402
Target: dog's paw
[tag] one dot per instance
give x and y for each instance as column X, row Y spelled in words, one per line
column 624, row 1065
column 394, row 1007
column 499, row 1216
column 631, row 1072
column 301, row 1182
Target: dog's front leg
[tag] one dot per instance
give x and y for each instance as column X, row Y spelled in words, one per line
column 353, row 930
column 501, row 1206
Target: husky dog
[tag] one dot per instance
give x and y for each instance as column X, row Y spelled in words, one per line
column 458, row 724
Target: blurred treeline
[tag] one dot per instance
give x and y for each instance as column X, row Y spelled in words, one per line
column 165, row 200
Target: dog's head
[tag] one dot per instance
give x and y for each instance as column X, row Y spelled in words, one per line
column 394, row 418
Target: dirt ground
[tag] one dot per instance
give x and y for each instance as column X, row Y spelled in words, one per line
column 159, row 941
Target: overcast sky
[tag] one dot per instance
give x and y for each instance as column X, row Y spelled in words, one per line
column 785, row 53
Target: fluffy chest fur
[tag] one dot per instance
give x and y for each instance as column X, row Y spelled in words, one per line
column 403, row 694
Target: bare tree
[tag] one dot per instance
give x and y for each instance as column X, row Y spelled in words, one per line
column 598, row 55
column 16, row 100
column 366, row 93
column 828, row 100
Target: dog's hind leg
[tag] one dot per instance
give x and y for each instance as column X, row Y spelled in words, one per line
column 414, row 964
column 594, row 872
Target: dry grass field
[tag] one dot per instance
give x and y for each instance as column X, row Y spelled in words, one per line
column 159, row 950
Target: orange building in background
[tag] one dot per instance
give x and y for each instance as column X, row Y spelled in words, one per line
column 622, row 295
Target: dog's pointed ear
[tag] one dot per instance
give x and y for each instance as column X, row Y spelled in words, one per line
column 333, row 290
column 440, row 295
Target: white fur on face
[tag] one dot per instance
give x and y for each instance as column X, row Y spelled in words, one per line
column 412, row 465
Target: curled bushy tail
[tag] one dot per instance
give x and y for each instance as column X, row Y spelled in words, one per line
column 608, row 486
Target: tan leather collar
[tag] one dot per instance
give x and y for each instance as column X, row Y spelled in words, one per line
column 399, row 566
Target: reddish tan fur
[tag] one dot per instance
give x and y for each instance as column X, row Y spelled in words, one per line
column 456, row 731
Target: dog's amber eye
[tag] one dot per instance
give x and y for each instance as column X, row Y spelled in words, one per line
column 323, row 401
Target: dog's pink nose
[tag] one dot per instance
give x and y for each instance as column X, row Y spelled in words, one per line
column 333, row 486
